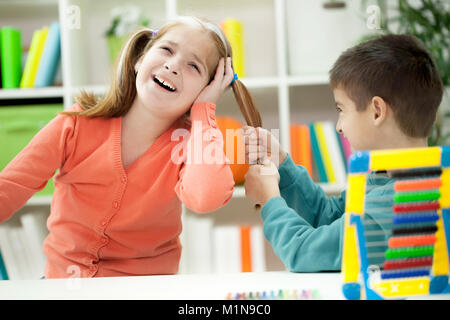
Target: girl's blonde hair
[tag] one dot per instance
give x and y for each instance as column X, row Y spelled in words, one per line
column 122, row 91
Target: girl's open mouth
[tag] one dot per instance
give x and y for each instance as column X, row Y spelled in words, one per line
column 164, row 84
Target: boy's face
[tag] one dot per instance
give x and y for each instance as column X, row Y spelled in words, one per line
column 355, row 125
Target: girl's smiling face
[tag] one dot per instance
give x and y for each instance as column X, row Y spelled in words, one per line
column 175, row 70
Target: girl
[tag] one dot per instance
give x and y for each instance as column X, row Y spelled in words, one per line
column 117, row 202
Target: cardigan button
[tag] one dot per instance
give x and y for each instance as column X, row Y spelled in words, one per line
column 115, row 204
column 213, row 123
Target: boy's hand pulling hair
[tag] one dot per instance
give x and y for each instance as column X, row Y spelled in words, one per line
column 261, row 182
column 261, row 144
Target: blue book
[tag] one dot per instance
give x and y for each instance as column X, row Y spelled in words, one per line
column 316, row 154
column 50, row 58
column 3, row 273
column 341, row 149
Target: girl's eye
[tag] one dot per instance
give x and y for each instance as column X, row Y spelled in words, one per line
column 338, row 109
column 167, row 49
column 195, row 67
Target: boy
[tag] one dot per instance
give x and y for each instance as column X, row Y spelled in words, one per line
column 387, row 92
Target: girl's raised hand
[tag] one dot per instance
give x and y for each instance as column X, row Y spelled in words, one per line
column 221, row 82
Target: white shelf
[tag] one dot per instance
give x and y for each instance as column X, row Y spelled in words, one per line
column 47, row 92
column 40, row 201
column 239, row 192
column 329, row 188
column 95, row 89
column 27, row 3
column 255, row 82
column 305, row 80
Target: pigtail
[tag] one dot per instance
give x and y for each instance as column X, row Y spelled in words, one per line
column 122, row 92
column 246, row 104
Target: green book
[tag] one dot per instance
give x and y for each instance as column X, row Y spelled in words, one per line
column 11, row 57
column 3, row 272
column 316, row 154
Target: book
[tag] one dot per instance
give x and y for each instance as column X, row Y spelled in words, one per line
column 246, row 252
column 295, row 144
column 301, row 147
column 24, row 253
column 258, row 255
column 234, row 32
column 3, row 272
column 50, row 57
column 238, row 248
column 34, row 225
column 34, row 57
column 26, row 81
column 11, row 251
column 1, row 85
column 334, row 150
column 346, row 147
column 341, row 150
column 226, row 253
column 325, row 152
column 11, row 57
column 197, row 249
column 316, row 154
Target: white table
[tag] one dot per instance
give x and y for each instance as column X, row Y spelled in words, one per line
column 179, row 287
column 170, row 287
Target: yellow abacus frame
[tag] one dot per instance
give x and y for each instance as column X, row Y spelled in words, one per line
column 354, row 260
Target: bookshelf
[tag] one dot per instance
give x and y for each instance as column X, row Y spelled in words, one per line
column 282, row 97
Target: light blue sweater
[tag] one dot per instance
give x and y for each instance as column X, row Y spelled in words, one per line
column 305, row 227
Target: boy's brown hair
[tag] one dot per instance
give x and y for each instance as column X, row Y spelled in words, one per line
column 399, row 69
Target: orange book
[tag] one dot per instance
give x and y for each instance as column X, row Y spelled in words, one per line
column 305, row 148
column 246, row 254
column 295, row 148
column 301, row 147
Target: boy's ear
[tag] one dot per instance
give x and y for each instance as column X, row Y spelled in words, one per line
column 379, row 110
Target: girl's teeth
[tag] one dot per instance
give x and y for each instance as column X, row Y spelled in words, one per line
column 165, row 83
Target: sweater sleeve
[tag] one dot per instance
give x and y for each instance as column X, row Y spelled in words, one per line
column 32, row 167
column 307, row 198
column 300, row 246
column 205, row 182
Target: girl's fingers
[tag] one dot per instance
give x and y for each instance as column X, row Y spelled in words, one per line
column 229, row 74
column 219, row 71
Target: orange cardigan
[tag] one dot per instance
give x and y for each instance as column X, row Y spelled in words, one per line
column 106, row 220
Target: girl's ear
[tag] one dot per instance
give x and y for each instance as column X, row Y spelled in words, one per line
column 138, row 65
column 379, row 110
